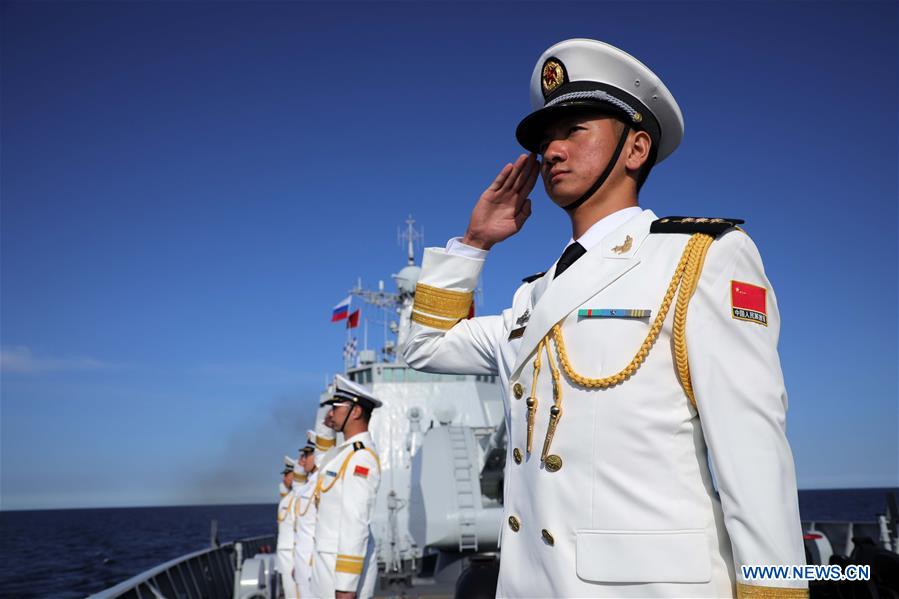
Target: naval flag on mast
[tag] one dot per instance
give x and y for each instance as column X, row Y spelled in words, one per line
column 341, row 310
column 353, row 321
column 349, row 350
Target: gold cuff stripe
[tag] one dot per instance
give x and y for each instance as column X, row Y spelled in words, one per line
column 434, row 323
column 442, row 302
column 322, row 443
column 358, row 558
column 349, row 567
column 751, row 591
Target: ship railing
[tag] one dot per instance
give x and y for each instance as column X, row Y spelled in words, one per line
column 841, row 533
column 198, row 575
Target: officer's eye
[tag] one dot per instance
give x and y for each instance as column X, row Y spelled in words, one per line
column 574, row 128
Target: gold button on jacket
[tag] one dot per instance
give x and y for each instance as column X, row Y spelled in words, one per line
column 514, row 524
column 518, row 390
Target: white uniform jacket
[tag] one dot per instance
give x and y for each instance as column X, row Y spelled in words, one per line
column 347, row 486
column 284, row 562
column 304, row 535
column 286, row 521
column 305, row 515
column 632, row 511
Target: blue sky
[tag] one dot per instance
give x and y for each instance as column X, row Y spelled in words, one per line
column 188, row 188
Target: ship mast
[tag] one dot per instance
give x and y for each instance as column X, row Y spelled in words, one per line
column 397, row 304
column 411, row 236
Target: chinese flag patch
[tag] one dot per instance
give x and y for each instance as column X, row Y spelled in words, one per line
column 749, row 302
column 361, row 471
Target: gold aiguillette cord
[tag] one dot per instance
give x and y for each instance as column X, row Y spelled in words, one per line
column 555, row 412
column 532, row 398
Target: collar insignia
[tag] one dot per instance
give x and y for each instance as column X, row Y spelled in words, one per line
column 624, row 247
column 523, row 318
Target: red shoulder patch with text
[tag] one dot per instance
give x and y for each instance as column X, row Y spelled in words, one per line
column 749, row 302
column 361, row 471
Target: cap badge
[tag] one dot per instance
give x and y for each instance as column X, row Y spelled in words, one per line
column 553, row 76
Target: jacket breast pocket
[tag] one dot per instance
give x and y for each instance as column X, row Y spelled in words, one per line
column 643, row 556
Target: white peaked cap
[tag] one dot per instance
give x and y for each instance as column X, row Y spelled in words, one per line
column 346, row 390
column 580, row 74
column 310, row 442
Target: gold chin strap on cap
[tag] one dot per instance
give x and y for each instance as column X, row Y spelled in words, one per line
column 683, row 282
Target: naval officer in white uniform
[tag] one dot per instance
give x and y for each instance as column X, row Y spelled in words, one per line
column 304, row 518
column 286, row 518
column 345, row 563
column 649, row 347
column 282, row 488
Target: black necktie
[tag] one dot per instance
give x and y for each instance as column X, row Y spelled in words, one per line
column 569, row 257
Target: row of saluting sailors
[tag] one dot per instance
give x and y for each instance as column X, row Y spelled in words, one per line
column 325, row 546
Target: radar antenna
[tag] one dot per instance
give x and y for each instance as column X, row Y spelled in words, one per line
column 410, row 236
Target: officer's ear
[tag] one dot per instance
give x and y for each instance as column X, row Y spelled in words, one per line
column 638, row 150
column 364, row 414
column 357, row 412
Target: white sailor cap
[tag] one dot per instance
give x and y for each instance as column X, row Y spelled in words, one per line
column 345, row 390
column 290, row 465
column 309, row 447
column 579, row 74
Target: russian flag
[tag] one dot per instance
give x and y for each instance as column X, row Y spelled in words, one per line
column 341, row 310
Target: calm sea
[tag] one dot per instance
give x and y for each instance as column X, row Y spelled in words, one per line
column 72, row 553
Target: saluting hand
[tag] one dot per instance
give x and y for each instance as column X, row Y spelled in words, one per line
column 504, row 206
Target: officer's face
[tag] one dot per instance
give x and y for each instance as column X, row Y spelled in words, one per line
column 575, row 151
column 307, row 461
column 288, row 479
column 336, row 415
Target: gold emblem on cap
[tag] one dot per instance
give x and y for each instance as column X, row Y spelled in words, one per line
column 514, row 524
column 637, row 117
column 553, row 76
column 553, row 463
column 516, row 455
column 624, row 247
column 517, row 390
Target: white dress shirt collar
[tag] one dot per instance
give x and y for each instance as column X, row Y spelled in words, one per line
column 604, row 226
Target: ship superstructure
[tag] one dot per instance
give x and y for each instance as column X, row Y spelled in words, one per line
column 435, row 435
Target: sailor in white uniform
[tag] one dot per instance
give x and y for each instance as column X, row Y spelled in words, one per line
column 282, row 488
column 305, row 517
column 616, row 394
column 284, row 563
column 345, row 564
